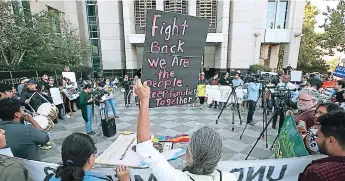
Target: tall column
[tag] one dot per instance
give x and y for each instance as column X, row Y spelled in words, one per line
column 291, row 53
column 241, row 38
column 221, row 54
column 129, row 27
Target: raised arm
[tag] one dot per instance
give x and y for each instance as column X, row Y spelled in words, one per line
column 143, row 126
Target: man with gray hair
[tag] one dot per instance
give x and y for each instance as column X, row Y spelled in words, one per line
column 307, row 101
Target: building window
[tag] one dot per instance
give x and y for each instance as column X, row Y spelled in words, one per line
column 277, row 14
column 208, row 9
column 176, row 6
column 92, row 20
column 140, row 10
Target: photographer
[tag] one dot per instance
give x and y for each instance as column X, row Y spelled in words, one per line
column 224, row 82
column 253, row 95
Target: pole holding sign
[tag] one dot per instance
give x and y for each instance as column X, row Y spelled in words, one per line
column 174, row 45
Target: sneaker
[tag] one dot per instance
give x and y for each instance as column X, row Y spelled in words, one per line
column 49, row 143
column 67, row 116
column 116, row 116
column 126, row 105
column 201, row 106
column 45, row 147
column 129, row 105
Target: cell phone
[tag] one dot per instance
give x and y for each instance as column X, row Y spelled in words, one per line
column 302, row 124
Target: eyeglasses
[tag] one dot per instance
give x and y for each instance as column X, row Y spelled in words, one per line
column 303, row 100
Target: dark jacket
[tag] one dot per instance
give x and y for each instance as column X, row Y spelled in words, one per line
column 24, row 139
column 127, row 85
column 36, row 100
column 83, row 102
column 224, row 81
column 202, row 82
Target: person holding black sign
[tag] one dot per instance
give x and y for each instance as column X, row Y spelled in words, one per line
column 214, row 81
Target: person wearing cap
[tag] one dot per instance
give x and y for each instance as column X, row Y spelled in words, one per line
column 6, row 91
column 20, row 87
column 33, row 97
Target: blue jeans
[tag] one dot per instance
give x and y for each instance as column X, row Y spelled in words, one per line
column 88, row 124
column 112, row 104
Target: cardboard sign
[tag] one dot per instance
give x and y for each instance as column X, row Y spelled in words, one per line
column 289, row 142
column 173, row 49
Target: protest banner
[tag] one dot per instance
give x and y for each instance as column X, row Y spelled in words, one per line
column 5, row 78
column 247, row 170
column 173, row 49
column 339, row 71
column 201, row 90
column 17, row 75
column 212, row 93
column 289, row 142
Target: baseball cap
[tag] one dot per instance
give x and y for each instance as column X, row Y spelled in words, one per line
column 5, row 87
column 23, row 80
column 31, row 81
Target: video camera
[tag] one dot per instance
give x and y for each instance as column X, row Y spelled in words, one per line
column 262, row 78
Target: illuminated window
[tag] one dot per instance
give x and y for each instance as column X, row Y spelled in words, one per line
column 208, row 9
column 176, row 6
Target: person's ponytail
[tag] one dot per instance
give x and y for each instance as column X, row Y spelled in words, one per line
column 70, row 173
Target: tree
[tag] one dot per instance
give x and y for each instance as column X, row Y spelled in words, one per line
column 310, row 54
column 334, row 27
column 14, row 34
column 42, row 39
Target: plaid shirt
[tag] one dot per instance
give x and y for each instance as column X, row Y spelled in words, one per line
column 330, row 169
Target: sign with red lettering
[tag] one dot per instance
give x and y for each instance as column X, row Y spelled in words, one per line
column 174, row 45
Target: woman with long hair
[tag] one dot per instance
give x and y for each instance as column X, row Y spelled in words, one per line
column 78, row 156
column 203, row 153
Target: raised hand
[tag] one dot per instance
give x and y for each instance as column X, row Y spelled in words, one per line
column 142, row 90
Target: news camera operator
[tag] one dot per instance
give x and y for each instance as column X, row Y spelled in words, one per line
column 253, row 96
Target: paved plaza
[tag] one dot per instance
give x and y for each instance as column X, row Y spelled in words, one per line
column 171, row 121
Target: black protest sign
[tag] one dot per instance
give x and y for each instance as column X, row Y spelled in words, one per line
column 174, row 44
column 17, row 75
column 5, row 78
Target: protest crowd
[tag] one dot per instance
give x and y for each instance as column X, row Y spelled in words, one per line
column 319, row 120
column 29, row 112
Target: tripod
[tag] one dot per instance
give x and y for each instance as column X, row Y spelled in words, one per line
column 264, row 114
column 234, row 95
column 280, row 109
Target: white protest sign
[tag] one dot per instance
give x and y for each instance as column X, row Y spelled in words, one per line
column 225, row 91
column 56, row 96
column 286, row 169
column 212, row 93
column 296, row 76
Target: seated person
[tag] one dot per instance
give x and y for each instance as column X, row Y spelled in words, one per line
column 310, row 135
column 78, row 153
column 22, row 139
column 203, row 153
column 10, row 170
column 36, row 100
column 331, row 142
